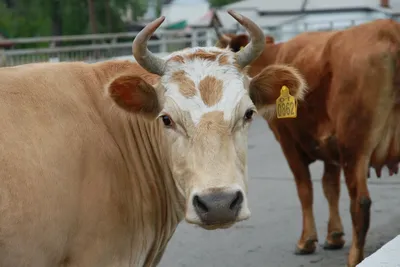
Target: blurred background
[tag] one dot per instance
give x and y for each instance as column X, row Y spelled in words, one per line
column 97, row 30
column 92, row 30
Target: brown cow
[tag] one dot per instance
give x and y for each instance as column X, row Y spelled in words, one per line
column 100, row 162
column 349, row 119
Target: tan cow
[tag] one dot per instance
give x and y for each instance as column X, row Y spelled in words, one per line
column 100, row 162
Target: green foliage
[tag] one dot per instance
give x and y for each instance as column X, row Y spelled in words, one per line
column 220, row 3
column 28, row 18
column 159, row 7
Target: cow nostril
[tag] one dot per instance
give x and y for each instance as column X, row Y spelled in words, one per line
column 199, row 205
column 237, row 201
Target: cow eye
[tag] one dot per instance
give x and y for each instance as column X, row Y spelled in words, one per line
column 166, row 120
column 249, row 114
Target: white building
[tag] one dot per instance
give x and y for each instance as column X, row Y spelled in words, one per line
column 286, row 18
column 184, row 10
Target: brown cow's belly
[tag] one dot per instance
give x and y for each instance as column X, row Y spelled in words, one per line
column 316, row 144
column 386, row 153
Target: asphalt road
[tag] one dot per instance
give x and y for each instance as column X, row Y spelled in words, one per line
column 268, row 238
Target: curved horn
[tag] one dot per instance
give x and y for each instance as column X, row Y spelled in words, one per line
column 224, row 41
column 225, row 38
column 253, row 49
column 143, row 56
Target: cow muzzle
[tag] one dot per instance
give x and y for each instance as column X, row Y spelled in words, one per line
column 218, row 208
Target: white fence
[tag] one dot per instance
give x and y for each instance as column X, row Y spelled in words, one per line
column 96, row 47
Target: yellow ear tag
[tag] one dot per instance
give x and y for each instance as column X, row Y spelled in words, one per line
column 286, row 105
column 241, row 48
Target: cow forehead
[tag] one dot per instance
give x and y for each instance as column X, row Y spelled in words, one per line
column 201, row 80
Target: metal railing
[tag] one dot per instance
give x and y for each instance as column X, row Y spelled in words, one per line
column 97, row 47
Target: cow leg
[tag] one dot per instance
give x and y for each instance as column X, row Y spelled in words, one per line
column 331, row 186
column 355, row 171
column 306, row 244
column 302, row 177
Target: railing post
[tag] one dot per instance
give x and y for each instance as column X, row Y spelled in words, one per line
column 210, row 37
column 164, row 42
column 3, row 59
column 194, row 38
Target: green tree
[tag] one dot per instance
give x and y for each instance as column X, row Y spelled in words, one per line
column 25, row 18
column 28, row 18
column 159, row 7
column 220, row 3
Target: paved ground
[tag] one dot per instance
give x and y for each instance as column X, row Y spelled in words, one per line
column 268, row 238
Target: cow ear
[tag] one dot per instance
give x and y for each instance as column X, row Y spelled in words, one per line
column 265, row 88
column 135, row 95
column 269, row 39
column 239, row 42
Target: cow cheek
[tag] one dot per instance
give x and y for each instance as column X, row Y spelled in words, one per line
column 241, row 147
column 241, row 150
column 180, row 170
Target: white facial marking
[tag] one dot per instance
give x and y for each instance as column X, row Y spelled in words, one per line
column 197, row 69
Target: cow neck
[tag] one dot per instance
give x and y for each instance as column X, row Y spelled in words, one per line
column 157, row 206
column 160, row 197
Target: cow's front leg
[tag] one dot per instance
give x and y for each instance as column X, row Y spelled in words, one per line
column 331, row 186
column 299, row 167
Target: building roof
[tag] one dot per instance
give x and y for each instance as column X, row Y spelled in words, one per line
column 178, row 11
column 295, row 6
column 263, row 5
column 264, row 21
column 228, row 22
column 207, row 19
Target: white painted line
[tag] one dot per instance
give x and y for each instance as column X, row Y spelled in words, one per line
column 387, row 256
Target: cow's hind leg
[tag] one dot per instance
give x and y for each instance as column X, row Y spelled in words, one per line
column 331, row 186
column 355, row 155
column 362, row 106
column 360, row 206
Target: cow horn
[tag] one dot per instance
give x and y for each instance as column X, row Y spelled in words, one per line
column 143, row 56
column 253, row 49
column 225, row 38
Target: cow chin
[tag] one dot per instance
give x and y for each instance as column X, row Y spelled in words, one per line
column 216, row 226
column 217, row 208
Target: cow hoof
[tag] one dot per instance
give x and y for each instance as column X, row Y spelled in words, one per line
column 309, row 248
column 335, row 241
column 329, row 246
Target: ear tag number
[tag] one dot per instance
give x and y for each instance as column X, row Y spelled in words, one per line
column 286, row 105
